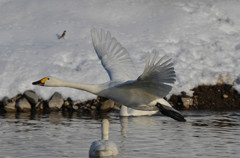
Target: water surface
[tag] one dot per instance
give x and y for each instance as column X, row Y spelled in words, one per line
column 205, row 134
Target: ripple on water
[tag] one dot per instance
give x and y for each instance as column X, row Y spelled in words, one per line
column 205, row 134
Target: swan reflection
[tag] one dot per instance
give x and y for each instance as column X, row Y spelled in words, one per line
column 142, row 121
column 103, row 148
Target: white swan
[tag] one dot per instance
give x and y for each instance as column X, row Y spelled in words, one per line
column 103, row 147
column 145, row 92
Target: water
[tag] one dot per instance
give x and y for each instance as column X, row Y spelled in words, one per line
column 205, row 134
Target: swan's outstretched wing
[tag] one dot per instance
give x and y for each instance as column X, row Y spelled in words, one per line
column 154, row 77
column 114, row 58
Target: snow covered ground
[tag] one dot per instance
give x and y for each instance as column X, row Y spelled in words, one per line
column 202, row 38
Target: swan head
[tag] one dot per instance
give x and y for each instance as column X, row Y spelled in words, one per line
column 47, row 81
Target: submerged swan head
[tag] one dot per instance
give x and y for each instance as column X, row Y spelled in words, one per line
column 48, row 81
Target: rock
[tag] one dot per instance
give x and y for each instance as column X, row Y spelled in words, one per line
column 216, row 97
column 5, row 101
column 187, row 102
column 23, row 105
column 56, row 101
column 41, row 105
column 176, row 102
column 17, row 97
column 107, row 106
column 67, row 103
column 225, row 96
column 84, row 107
column 31, row 96
column 88, row 105
column 75, row 107
column 93, row 107
column 10, row 107
column 1, row 106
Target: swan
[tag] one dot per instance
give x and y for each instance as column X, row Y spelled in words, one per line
column 103, row 147
column 144, row 92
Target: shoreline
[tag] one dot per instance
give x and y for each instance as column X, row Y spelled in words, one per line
column 217, row 97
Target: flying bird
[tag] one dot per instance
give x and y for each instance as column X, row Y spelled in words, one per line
column 145, row 92
column 63, row 34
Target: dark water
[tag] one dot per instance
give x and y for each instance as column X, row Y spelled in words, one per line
column 205, row 134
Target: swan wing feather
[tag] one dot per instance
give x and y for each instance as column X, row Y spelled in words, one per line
column 155, row 78
column 114, row 57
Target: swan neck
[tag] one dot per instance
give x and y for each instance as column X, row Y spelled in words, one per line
column 105, row 129
column 95, row 89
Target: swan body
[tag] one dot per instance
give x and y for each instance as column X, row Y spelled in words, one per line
column 142, row 92
column 103, row 147
column 125, row 111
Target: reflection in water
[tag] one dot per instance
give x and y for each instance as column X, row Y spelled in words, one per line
column 103, row 148
column 205, row 134
column 198, row 123
column 216, row 132
column 223, row 121
column 124, row 122
column 142, row 121
column 53, row 117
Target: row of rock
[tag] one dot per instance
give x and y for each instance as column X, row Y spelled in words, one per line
column 30, row 101
column 210, row 97
column 213, row 97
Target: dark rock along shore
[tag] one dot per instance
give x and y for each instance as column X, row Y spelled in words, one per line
column 205, row 97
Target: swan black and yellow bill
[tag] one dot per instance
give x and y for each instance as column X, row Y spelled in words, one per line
column 40, row 82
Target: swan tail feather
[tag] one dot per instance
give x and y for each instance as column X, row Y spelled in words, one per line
column 166, row 110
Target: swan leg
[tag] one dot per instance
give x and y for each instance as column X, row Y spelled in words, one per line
column 165, row 110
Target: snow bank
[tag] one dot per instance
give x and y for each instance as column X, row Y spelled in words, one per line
column 202, row 38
